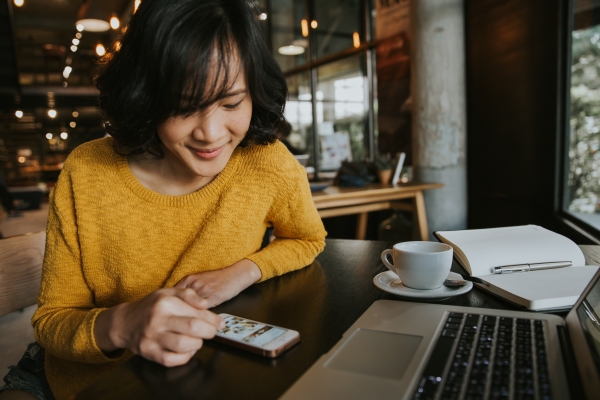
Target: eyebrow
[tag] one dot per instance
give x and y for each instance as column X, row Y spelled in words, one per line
column 230, row 94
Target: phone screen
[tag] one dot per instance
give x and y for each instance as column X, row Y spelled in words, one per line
column 251, row 332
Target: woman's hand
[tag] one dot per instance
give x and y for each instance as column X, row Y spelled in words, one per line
column 223, row 284
column 168, row 326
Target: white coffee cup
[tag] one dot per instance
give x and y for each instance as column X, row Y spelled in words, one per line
column 420, row 265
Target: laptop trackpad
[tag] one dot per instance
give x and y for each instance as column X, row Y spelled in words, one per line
column 376, row 353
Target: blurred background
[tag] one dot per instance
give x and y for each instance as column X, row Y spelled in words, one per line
column 532, row 82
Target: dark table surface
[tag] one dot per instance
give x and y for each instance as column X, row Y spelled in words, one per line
column 320, row 301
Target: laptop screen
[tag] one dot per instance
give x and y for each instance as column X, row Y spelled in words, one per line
column 588, row 313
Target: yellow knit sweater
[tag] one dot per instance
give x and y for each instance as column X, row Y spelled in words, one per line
column 111, row 240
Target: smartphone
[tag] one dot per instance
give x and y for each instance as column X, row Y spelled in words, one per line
column 256, row 337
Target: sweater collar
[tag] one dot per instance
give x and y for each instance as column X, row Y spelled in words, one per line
column 202, row 194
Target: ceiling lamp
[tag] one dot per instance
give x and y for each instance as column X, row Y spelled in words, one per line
column 291, row 50
column 93, row 17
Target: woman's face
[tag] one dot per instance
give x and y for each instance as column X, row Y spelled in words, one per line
column 200, row 145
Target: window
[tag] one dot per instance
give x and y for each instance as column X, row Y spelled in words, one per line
column 582, row 183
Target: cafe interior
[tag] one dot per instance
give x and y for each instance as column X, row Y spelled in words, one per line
column 482, row 114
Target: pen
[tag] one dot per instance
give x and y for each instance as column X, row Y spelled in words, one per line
column 509, row 269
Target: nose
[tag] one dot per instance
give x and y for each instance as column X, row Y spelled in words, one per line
column 209, row 127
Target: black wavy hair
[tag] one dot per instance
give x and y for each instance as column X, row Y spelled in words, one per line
column 160, row 69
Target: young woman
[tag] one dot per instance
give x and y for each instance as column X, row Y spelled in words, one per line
column 151, row 227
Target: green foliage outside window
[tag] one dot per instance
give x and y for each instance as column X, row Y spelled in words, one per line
column 584, row 146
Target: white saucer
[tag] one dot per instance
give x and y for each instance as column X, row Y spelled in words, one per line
column 390, row 282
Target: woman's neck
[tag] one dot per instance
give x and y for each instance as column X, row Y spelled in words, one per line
column 162, row 176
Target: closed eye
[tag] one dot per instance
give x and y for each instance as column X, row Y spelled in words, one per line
column 233, row 106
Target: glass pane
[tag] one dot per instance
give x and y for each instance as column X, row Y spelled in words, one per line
column 335, row 23
column 393, row 107
column 290, row 47
column 298, row 112
column 582, row 195
column 341, row 111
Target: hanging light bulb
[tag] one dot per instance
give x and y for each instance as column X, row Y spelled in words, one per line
column 356, row 40
column 304, row 27
column 100, row 49
column 114, row 22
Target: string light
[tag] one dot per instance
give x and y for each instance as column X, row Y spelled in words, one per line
column 78, row 35
column 79, row 27
column 262, row 16
column 19, row 3
column 72, row 124
column 73, row 48
column 67, row 71
column 75, row 114
column 52, row 113
column 76, row 42
column 48, row 136
column 19, row 114
column 64, row 135
column 136, row 5
column 100, row 50
column 314, row 24
column 114, row 22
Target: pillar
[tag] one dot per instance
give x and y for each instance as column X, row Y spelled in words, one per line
column 439, row 109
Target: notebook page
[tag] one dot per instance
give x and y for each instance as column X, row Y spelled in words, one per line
column 496, row 247
column 551, row 288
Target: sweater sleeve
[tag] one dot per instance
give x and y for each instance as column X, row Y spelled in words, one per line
column 64, row 321
column 298, row 229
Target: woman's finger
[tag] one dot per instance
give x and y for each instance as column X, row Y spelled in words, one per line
column 202, row 328
column 178, row 343
column 190, row 297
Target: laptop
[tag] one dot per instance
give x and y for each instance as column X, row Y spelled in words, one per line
column 409, row 350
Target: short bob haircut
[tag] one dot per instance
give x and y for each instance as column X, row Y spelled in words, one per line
column 161, row 69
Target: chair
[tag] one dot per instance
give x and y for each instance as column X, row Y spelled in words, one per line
column 21, row 260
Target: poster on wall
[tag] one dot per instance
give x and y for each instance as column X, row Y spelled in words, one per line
column 392, row 27
column 335, row 148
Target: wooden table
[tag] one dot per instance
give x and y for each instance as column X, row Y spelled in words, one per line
column 320, row 301
column 336, row 201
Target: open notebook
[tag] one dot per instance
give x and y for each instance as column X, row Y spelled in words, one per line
column 479, row 251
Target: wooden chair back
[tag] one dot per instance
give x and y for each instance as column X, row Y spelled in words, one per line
column 21, row 260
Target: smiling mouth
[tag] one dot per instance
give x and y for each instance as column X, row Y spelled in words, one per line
column 207, row 154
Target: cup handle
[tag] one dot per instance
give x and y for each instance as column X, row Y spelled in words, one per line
column 384, row 255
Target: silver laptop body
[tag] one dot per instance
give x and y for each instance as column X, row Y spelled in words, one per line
column 385, row 353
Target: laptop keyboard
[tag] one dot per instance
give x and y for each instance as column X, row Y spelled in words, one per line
column 487, row 357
